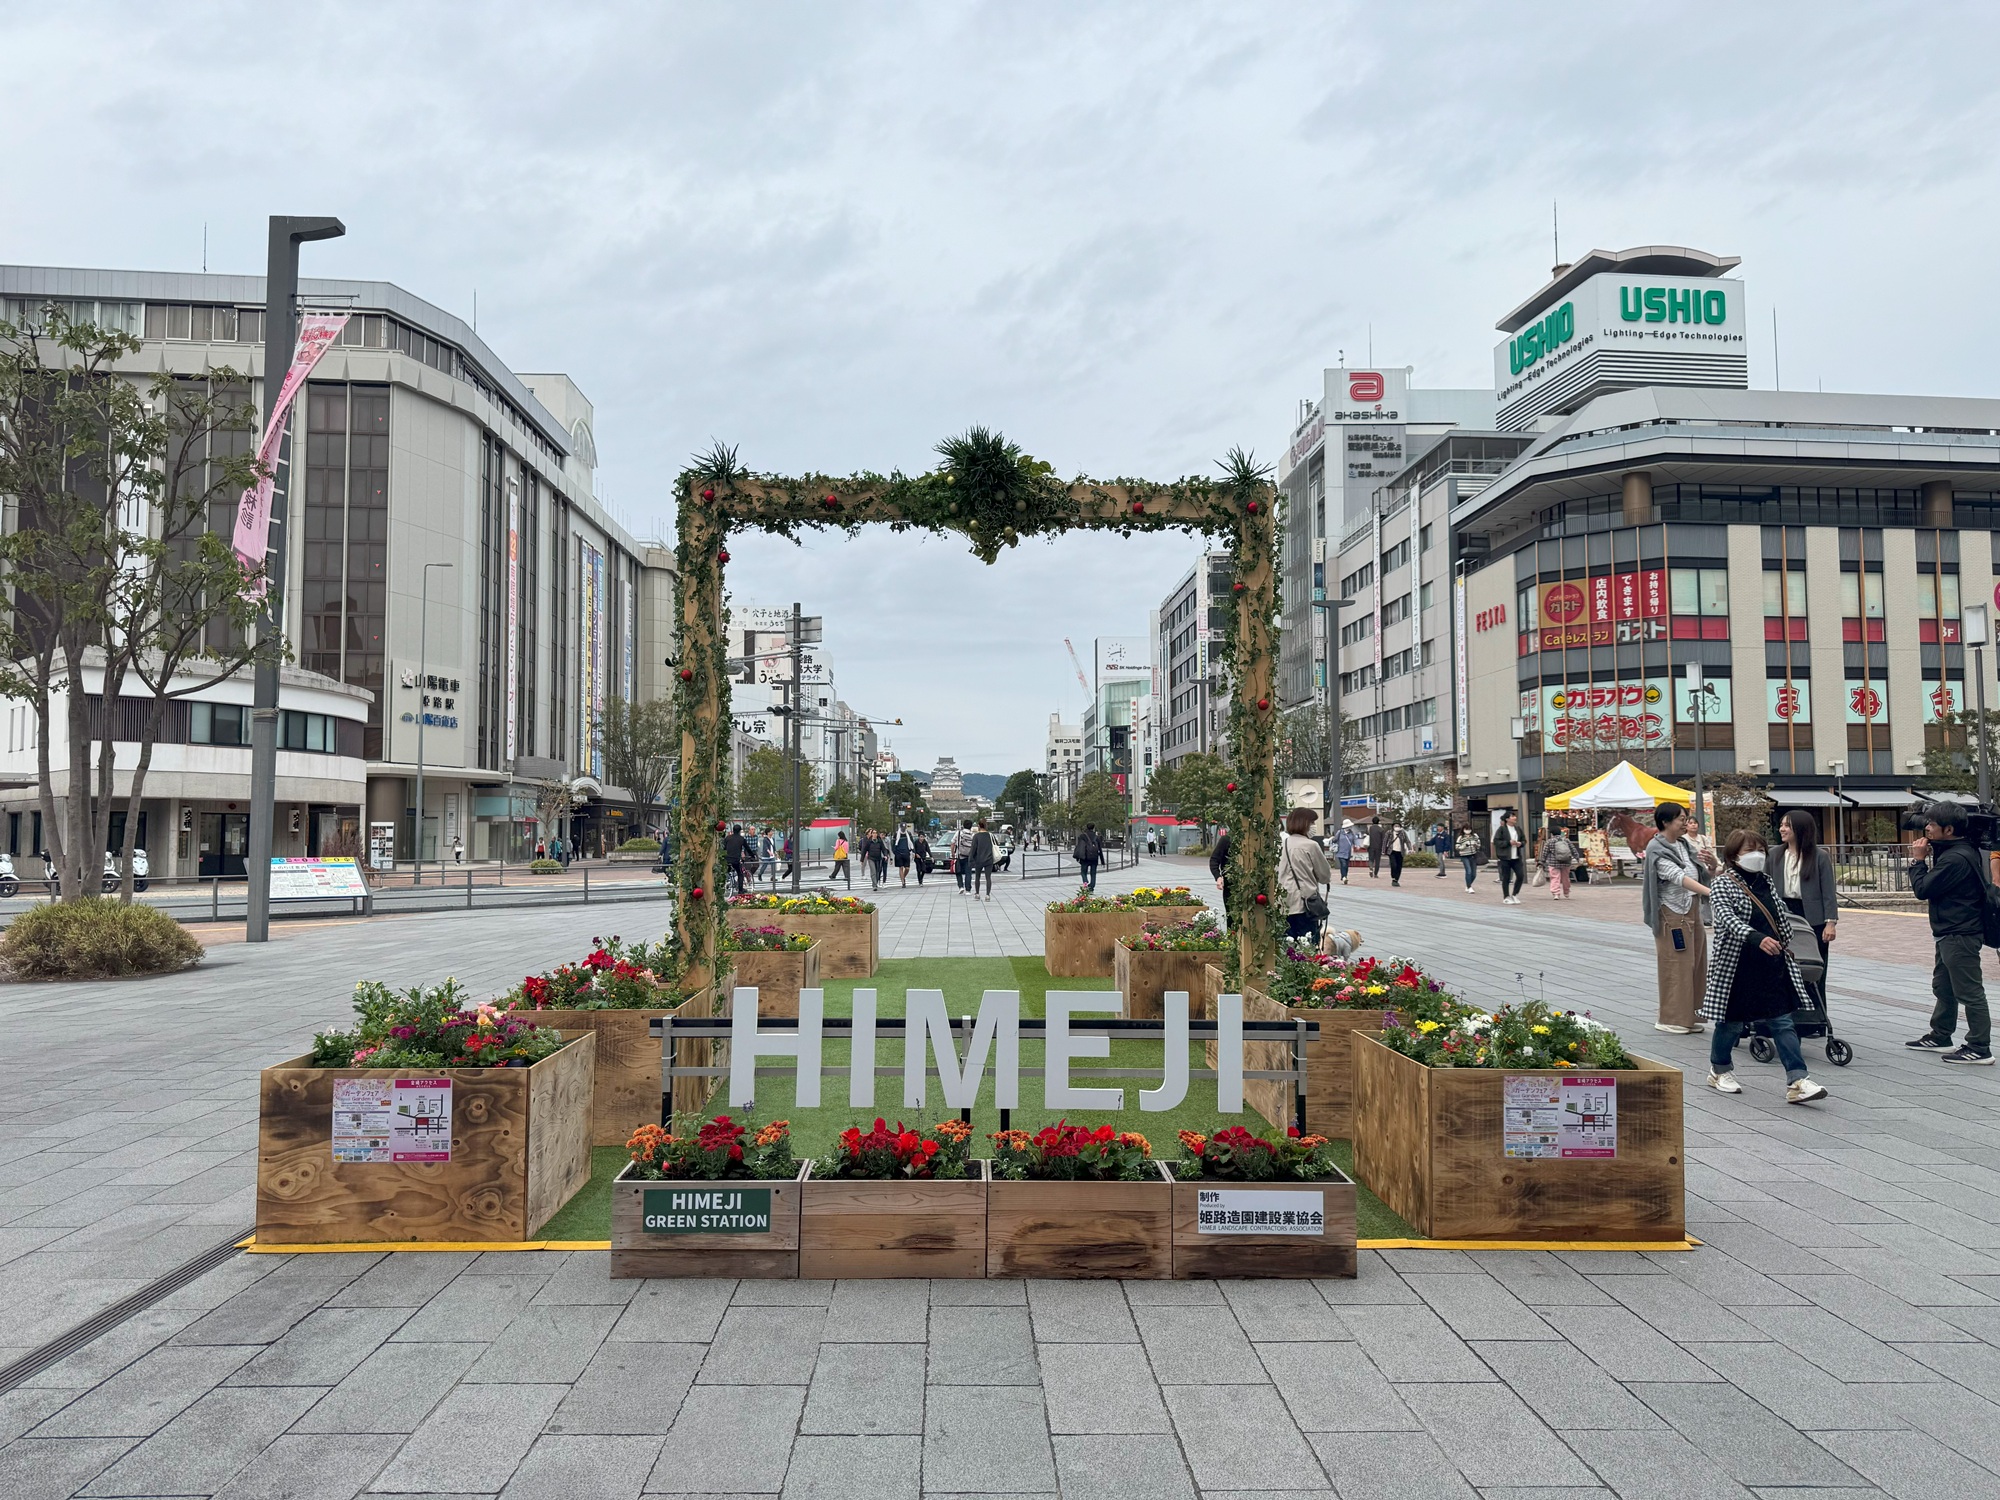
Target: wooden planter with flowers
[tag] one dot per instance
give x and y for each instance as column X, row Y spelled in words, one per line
column 1270, row 1098
column 894, row 1202
column 1290, row 1213
column 1149, row 963
column 1117, row 1224
column 614, row 995
column 848, row 928
column 1502, row 1153
column 685, row 1206
column 365, row 1155
column 780, row 966
column 1080, row 935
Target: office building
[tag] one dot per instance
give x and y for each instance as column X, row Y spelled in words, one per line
column 1062, row 758
column 1192, row 687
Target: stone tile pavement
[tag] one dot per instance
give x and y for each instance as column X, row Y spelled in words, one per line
column 1837, row 1334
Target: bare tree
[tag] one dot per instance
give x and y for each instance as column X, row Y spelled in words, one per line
column 641, row 745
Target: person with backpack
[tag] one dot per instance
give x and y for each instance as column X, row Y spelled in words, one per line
column 1088, row 851
column 903, row 855
column 1948, row 874
column 961, row 856
column 1558, row 856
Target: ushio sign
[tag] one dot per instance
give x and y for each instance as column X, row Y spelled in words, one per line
column 1072, row 1031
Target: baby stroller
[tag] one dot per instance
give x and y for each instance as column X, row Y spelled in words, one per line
column 1811, row 1021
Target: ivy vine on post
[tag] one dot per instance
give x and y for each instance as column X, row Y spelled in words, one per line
column 987, row 490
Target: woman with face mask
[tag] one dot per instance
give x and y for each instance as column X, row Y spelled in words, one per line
column 1751, row 972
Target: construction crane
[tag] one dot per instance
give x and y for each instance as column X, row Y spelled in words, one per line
column 1081, row 681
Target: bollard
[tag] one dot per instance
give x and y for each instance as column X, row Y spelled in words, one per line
column 468, row 890
column 586, row 885
column 215, row 898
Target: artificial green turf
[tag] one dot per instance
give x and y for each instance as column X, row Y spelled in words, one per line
column 587, row 1216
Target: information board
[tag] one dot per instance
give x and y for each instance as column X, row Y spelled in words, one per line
column 378, row 1120
column 1251, row 1211
column 1559, row 1119
column 315, row 879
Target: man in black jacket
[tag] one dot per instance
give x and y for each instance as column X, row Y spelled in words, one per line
column 1218, row 866
column 733, row 845
column 1378, row 840
column 1087, row 851
column 1949, row 874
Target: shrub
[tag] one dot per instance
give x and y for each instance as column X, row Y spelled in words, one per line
column 640, row 846
column 95, row 938
column 544, row 867
column 1423, row 859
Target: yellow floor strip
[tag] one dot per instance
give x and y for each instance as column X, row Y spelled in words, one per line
column 254, row 1248
column 1683, row 1244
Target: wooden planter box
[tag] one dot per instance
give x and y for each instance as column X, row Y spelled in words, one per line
column 850, row 1227
column 1431, row 1143
column 767, row 1247
column 1144, row 978
column 625, row 1086
column 850, row 942
column 1074, row 1230
column 1224, row 1249
column 1270, row 1098
column 1329, row 1065
column 1077, row 943
column 520, row 1146
column 777, row 977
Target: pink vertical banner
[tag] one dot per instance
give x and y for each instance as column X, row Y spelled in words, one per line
column 317, row 332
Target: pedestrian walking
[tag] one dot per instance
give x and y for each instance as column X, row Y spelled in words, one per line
column 1302, row 873
column 1754, row 976
column 1402, row 844
column 1088, row 851
column 1558, row 856
column 767, row 856
column 1378, row 840
column 1152, row 843
column 1510, row 851
column 786, row 852
column 982, row 863
column 1441, row 844
column 1466, row 846
column 841, row 870
column 1344, row 843
column 1672, row 877
column 920, row 856
column 1218, row 866
column 733, row 845
column 457, row 850
column 1806, row 884
column 903, row 851
column 961, row 856
column 875, row 856
column 1949, row 874
column 559, row 852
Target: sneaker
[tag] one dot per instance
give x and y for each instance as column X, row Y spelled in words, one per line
column 1805, row 1091
column 1724, row 1083
column 1978, row 1057
column 1676, row 1030
column 1928, row 1043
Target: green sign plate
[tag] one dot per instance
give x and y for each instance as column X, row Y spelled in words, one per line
column 706, row 1210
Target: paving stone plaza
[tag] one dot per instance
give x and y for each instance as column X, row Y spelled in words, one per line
column 1836, row 1333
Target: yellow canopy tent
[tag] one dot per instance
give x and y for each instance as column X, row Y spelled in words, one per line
column 1624, row 785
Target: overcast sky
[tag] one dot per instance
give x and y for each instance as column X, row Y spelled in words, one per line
column 1128, row 235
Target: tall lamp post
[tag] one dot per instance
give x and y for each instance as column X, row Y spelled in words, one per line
column 1972, row 629
column 423, row 704
column 281, row 337
column 1694, row 687
column 1331, row 797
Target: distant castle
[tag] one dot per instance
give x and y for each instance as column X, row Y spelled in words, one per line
column 947, row 791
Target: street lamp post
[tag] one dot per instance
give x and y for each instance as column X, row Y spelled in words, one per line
column 281, row 337
column 1972, row 628
column 1332, row 795
column 1694, row 686
column 423, row 700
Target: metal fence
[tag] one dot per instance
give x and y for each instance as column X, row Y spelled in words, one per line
column 1871, row 869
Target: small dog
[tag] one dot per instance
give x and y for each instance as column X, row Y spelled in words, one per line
column 1340, row 942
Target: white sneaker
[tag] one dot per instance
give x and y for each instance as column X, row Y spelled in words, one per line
column 1676, row 1030
column 1804, row 1092
column 1724, row 1083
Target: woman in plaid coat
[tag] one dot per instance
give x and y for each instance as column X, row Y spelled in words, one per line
column 1751, row 973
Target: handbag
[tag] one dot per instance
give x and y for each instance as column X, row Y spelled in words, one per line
column 1541, row 876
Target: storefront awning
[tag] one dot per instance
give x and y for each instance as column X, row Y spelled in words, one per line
column 1822, row 797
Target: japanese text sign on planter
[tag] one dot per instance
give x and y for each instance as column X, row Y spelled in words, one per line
column 391, row 1119
column 1560, row 1119
column 1248, row 1211
column 709, row 1210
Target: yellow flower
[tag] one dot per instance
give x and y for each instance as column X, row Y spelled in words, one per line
column 1376, row 989
column 1427, row 1026
column 1539, row 1030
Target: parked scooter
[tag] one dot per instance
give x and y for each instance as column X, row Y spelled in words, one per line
column 141, row 870
column 8, row 884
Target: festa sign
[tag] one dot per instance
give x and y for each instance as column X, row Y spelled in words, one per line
column 996, row 1033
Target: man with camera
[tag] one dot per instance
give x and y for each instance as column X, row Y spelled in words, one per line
column 1948, row 873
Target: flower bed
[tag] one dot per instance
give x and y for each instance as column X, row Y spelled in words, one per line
column 719, row 1202
column 848, row 928
column 1156, row 959
column 1080, row 934
column 1524, row 1123
column 429, row 1120
column 1252, row 1205
column 1069, row 1201
column 615, row 992
column 774, row 962
column 901, row 1202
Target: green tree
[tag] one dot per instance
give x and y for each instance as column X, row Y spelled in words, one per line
column 1200, row 783
column 1163, row 789
column 641, row 744
column 1948, row 766
column 1099, row 802
column 765, row 792
column 1020, row 800
column 904, row 800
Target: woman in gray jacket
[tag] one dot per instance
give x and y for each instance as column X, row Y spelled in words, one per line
column 1302, row 870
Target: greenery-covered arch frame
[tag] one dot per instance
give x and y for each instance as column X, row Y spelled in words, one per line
column 994, row 495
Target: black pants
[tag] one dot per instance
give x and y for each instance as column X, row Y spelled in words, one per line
column 1395, row 867
column 1510, row 878
column 1302, row 924
column 1956, row 981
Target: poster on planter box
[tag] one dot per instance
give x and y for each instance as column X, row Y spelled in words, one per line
column 1559, row 1119
column 381, row 1120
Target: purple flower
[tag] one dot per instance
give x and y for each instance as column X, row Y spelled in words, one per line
column 402, row 1033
